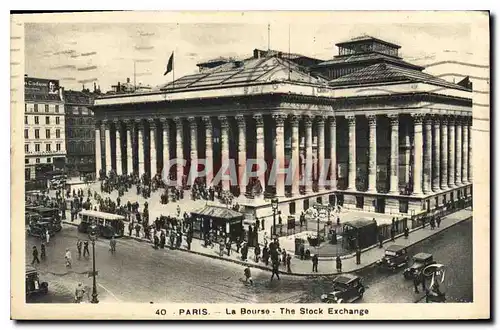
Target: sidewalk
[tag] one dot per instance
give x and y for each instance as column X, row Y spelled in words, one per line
column 326, row 266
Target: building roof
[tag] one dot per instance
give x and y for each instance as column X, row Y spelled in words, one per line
column 218, row 212
column 251, row 70
column 384, row 72
column 366, row 38
column 367, row 57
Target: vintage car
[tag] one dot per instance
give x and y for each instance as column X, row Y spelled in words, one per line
column 346, row 288
column 420, row 261
column 33, row 284
column 395, row 256
column 48, row 214
column 31, row 217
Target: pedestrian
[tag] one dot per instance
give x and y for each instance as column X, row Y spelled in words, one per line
column 302, row 250
column 262, row 224
column 407, row 232
column 67, row 257
column 422, row 279
column 228, row 247
column 438, row 221
column 189, row 239
column 137, row 229
column 79, row 293
column 338, row 262
column 275, row 270
column 380, row 240
column 156, row 242
column 79, row 248
column 86, row 248
column 289, row 263
column 415, row 283
column 256, row 252
column 112, row 245
column 257, row 224
column 130, row 227
column 43, row 254
column 35, row 256
column 248, row 276
column 392, row 234
column 163, row 239
column 283, row 257
column 315, row 261
column 47, row 236
column 265, row 255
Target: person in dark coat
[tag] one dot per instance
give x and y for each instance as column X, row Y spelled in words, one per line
column 275, row 270
column 380, row 240
column 358, row 256
column 302, row 251
column 130, row 228
column 415, row 284
column 283, row 257
column 265, row 255
column 137, row 230
column 228, row 247
column 86, row 251
column 79, row 248
column 43, row 254
column 393, row 233
column 315, row 261
column 257, row 252
column 162, row 240
column 257, row 224
column 438, row 221
column 338, row 262
column 407, row 232
column 289, row 263
column 35, row 256
column 156, row 242
column 189, row 239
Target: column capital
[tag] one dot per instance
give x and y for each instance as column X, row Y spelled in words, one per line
column 294, row 119
column 98, row 123
column 418, row 117
column 129, row 123
column 193, row 123
column 435, row 118
column 333, row 120
column 452, row 120
column 372, row 120
column 178, row 121
column 444, row 120
column 351, row 119
column 107, row 123
column 320, row 119
column 259, row 119
column 308, row 121
column 224, row 121
column 393, row 118
column 163, row 120
column 428, row 120
column 207, row 121
column 241, row 120
column 152, row 122
column 279, row 119
column 139, row 122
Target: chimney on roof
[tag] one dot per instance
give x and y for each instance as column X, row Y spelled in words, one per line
column 256, row 53
column 128, row 80
column 118, row 89
column 25, row 75
column 95, row 87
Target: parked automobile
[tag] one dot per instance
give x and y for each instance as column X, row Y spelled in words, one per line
column 346, row 289
column 395, row 256
column 33, row 284
column 420, row 261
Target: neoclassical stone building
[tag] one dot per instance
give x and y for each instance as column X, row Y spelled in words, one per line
column 398, row 139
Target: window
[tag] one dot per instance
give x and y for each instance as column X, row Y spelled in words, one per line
column 26, row 120
column 47, row 147
column 36, row 107
column 403, row 206
column 37, row 133
column 26, row 135
column 46, row 108
column 38, row 160
column 58, row 147
column 37, row 121
column 26, row 148
column 37, row 147
column 58, row 133
column 81, row 122
column 57, row 121
column 26, row 161
column 47, row 133
column 47, row 120
column 49, row 160
column 57, row 108
column 25, row 107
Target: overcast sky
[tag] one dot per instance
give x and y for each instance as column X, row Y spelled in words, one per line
column 82, row 53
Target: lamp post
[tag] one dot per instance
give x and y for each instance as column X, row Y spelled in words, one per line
column 93, row 237
column 274, row 205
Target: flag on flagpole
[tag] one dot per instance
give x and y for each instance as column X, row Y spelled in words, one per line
column 170, row 65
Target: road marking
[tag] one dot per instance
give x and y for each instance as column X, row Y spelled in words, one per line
column 108, row 291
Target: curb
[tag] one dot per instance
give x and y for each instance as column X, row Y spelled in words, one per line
column 252, row 265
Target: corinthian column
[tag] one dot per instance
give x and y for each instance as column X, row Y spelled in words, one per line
column 98, row 152
column 372, row 162
column 224, row 125
column 321, row 175
column 179, row 153
column 394, row 179
column 469, row 151
column 242, row 154
column 129, row 143
column 351, row 119
column 193, row 125
column 451, row 152
column 259, row 125
column 295, row 161
column 118, row 129
column 465, row 151
column 309, row 159
column 152, row 147
column 426, row 186
column 166, row 148
column 436, row 159
column 280, row 154
column 418, row 159
column 209, row 152
column 458, row 172
column 333, row 153
column 107, row 143
column 140, row 143
column 444, row 153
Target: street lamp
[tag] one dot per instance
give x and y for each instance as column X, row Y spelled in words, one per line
column 274, row 205
column 93, row 237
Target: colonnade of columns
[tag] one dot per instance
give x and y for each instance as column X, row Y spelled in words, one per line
column 441, row 149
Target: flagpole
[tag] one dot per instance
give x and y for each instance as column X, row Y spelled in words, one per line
column 173, row 70
column 135, row 86
column 289, row 52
